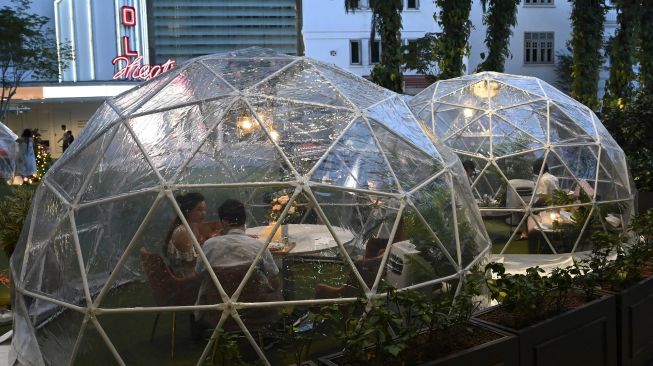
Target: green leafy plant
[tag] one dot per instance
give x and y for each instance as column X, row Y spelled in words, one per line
column 386, row 21
column 645, row 46
column 27, row 49
column 630, row 259
column 522, row 294
column 375, row 331
column 388, row 73
column 629, row 125
column 621, row 51
column 587, row 17
column 13, row 210
column 451, row 44
column 500, row 18
column 563, row 68
column 226, row 351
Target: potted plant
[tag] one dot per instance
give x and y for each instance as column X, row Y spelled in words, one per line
column 630, row 277
column 556, row 324
column 416, row 328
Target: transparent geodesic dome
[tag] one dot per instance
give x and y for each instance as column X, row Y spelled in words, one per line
column 348, row 191
column 500, row 125
column 8, row 151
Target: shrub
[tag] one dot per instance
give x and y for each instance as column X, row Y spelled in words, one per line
column 13, row 210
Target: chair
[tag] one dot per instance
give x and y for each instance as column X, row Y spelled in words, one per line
column 168, row 289
column 368, row 267
column 255, row 290
column 522, row 188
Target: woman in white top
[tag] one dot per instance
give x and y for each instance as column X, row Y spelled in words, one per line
column 178, row 248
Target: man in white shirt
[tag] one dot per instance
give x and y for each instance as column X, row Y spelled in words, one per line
column 547, row 183
column 236, row 249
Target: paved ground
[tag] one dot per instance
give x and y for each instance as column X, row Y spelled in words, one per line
column 4, row 354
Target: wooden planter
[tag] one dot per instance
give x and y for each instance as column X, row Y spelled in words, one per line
column 499, row 352
column 635, row 324
column 582, row 336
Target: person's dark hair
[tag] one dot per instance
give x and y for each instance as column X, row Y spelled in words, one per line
column 468, row 164
column 537, row 166
column 27, row 133
column 233, row 212
column 187, row 202
column 63, row 127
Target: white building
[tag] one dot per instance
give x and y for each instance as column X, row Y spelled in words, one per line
column 343, row 38
column 544, row 27
column 542, row 31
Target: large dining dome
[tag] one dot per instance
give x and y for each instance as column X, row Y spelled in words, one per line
column 544, row 170
column 238, row 190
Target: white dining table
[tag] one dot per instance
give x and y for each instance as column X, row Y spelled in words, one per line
column 308, row 238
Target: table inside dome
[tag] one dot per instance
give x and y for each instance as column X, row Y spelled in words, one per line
column 308, row 238
column 310, row 243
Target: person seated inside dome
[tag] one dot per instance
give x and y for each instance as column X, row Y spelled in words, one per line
column 179, row 249
column 230, row 256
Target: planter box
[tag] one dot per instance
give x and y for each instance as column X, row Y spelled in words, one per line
column 499, row 352
column 582, row 336
column 635, row 324
column 644, row 201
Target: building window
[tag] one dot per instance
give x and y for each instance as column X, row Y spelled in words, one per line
column 412, row 4
column 538, row 47
column 538, row 3
column 363, row 4
column 375, row 52
column 355, row 52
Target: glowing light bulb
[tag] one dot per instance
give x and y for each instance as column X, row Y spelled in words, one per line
column 485, row 89
column 468, row 113
column 245, row 124
column 274, row 134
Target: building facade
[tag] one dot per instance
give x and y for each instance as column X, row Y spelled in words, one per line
column 120, row 43
column 181, row 30
column 542, row 31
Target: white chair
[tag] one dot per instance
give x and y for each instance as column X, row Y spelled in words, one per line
column 522, row 187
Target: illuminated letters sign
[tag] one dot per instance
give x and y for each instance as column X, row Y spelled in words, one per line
column 130, row 63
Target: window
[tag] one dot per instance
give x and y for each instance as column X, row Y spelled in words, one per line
column 538, row 3
column 375, row 52
column 355, row 52
column 363, row 4
column 538, row 47
column 412, row 4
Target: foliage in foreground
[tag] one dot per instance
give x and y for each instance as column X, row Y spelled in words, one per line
column 13, row 211
column 629, row 124
column 376, row 331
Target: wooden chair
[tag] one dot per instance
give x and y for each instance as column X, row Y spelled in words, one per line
column 256, row 290
column 368, row 267
column 168, row 289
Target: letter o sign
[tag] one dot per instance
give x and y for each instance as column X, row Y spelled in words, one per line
column 128, row 16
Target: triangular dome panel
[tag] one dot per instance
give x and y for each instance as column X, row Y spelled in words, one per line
column 241, row 73
column 302, row 82
column 357, row 161
column 194, row 83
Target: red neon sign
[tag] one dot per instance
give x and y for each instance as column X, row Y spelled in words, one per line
column 128, row 16
column 135, row 69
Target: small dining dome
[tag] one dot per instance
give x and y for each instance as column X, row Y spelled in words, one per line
column 239, row 190
column 544, row 171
